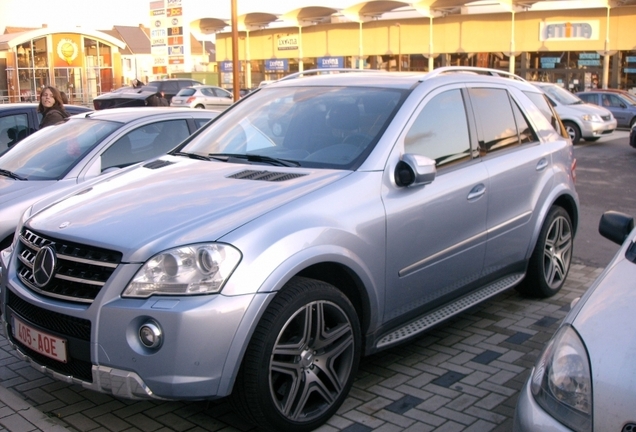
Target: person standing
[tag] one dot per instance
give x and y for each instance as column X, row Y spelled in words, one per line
column 51, row 106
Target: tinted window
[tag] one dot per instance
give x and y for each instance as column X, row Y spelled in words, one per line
column 526, row 133
column 200, row 122
column 13, row 128
column 589, row 98
column 186, row 92
column 440, row 131
column 496, row 126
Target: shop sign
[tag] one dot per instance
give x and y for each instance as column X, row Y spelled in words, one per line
column 178, row 40
column 226, row 66
column 158, row 33
column 330, row 62
column 630, row 59
column 159, row 51
column 287, row 42
column 157, row 12
column 158, row 4
column 589, row 59
column 569, row 30
column 66, row 50
column 278, row 65
column 630, row 70
column 549, row 62
column 158, row 42
column 176, row 60
column 160, row 61
column 175, row 50
column 172, row 12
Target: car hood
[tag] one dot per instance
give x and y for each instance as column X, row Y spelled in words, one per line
column 584, row 108
column 174, row 201
column 606, row 325
column 11, row 189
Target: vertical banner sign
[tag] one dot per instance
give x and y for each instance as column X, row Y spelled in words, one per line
column 158, row 38
column 174, row 21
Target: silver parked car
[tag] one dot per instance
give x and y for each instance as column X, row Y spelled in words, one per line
column 584, row 379
column 84, row 147
column 320, row 219
column 203, row 96
column 581, row 120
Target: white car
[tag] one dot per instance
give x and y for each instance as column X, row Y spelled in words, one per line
column 202, row 97
column 581, row 120
column 585, row 379
column 82, row 148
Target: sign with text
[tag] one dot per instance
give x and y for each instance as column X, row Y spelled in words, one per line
column 287, row 42
column 330, row 62
column 279, row 65
column 569, row 30
column 169, row 37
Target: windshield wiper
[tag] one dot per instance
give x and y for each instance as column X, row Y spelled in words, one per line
column 191, row 155
column 225, row 157
column 11, row 175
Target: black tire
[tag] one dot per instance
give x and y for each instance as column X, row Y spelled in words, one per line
column 632, row 122
column 550, row 261
column 200, row 106
column 294, row 377
column 573, row 131
column 592, row 139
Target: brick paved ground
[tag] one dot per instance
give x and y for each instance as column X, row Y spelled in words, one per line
column 463, row 376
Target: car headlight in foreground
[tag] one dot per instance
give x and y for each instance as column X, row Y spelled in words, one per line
column 561, row 382
column 187, row 270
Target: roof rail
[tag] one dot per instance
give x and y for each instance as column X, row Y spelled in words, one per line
column 472, row 69
column 325, row 71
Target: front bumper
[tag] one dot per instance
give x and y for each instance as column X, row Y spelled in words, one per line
column 597, row 129
column 530, row 417
column 198, row 358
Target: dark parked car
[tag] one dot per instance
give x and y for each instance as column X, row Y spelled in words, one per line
column 139, row 96
column 622, row 107
column 19, row 120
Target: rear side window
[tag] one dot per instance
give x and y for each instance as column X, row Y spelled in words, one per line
column 186, row 92
column 496, row 120
column 13, row 128
column 440, row 131
column 589, row 98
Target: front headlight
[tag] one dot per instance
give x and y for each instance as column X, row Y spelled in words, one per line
column 561, row 381
column 194, row 269
column 592, row 118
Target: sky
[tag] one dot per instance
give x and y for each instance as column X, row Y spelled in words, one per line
column 103, row 14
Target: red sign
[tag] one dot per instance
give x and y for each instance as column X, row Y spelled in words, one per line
column 176, row 60
column 176, row 40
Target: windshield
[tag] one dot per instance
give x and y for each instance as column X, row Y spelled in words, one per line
column 323, row 127
column 561, row 95
column 51, row 152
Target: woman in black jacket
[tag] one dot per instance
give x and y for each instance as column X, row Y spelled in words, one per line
column 51, row 107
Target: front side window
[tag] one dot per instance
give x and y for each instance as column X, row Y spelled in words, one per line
column 322, row 127
column 589, row 98
column 440, row 131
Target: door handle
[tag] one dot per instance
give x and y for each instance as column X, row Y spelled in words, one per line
column 476, row 192
column 542, row 164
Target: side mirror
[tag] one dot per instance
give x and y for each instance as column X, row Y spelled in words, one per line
column 415, row 170
column 615, row 226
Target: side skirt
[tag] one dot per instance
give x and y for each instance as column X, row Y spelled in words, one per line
column 436, row 316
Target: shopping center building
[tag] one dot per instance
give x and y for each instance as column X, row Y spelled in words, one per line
column 578, row 44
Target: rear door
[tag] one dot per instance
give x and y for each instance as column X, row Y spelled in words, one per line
column 520, row 172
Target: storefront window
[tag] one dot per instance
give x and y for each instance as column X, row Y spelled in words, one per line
column 573, row 70
column 627, row 70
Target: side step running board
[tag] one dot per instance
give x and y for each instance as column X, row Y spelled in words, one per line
column 445, row 312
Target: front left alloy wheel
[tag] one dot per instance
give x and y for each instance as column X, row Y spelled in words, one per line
column 301, row 361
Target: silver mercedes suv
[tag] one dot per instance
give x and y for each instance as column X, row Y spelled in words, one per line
column 320, row 219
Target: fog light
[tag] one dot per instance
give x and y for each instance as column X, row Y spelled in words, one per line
column 150, row 335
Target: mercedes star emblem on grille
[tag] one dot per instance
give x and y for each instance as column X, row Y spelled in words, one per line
column 44, row 266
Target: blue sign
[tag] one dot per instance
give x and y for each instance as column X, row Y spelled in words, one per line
column 589, row 56
column 279, row 65
column 630, row 70
column 226, row 66
column 330, row 62
column 589, row 63
column 630, row 59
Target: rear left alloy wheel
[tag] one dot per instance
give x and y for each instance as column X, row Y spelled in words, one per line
column 552, row 255
column 301, row 361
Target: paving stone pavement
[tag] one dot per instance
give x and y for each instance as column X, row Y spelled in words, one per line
column 463, row 376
